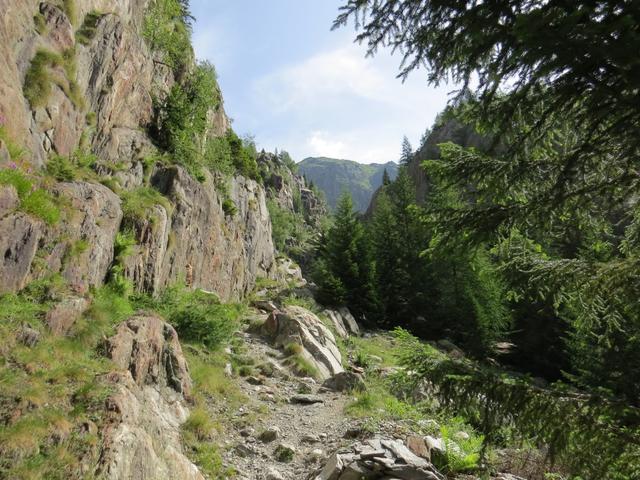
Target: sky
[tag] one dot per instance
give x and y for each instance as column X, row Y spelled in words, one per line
column 294, row 84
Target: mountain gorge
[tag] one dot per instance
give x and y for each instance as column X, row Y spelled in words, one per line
column 177, row 303
column 334, row 177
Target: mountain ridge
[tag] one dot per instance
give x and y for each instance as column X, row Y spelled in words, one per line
column 333, row 176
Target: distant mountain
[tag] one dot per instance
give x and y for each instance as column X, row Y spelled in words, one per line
column 333, row 176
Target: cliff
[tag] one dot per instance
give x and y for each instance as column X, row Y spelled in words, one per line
column 98, row 203
column 78, row 80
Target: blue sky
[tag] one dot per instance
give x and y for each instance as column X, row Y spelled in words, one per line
column 294, row 84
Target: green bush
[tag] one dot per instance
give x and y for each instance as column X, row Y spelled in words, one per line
column 15, row 151
column 229, row 207
column 15, row 177
column 61, row 168
column 167, row 29
column 37, row 82
column 40, row 23
column 197, row 316
column 70, row 10
column 40, row 204
column 183, row 118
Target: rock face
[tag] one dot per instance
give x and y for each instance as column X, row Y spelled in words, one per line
column 199, row 242
column 296, row 325
column 115, row 73
column 142, row 436
column 80, row 246
column 62, row 316
column 343, row 322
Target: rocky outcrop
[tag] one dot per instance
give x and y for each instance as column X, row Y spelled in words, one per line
column 80, row 246
column 197, row 241
column 148, row 406
column 114, row 78
column 298, row 326
column 18, row 246
column 65, row 313
column 289, row 190
column 377, row 458
column 343, row 322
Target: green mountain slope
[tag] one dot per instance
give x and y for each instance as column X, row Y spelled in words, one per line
column 333, row 176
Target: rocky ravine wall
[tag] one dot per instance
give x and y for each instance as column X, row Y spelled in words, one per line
column 117, row 75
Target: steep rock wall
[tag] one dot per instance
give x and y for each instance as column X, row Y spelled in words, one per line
column 116, row 77
column 200, row 243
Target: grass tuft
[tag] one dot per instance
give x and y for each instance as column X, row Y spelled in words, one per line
column 88, row 30
column 33, row 201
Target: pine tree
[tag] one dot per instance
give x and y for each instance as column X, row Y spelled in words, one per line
column 386, row 180
column 345, row 268
column 407, row 152
column 424, row 138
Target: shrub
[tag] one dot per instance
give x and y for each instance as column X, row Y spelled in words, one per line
column 38, row 79
column 15, row 177
column 199, row 424
column 69, row 7
column 243, row 155
column 15, row 151
column 40, row 23
column 462, row 449
column 197, row 316
column 61, row 168
column 37, row 82
column 41, row 204
column 183, row 118
column 229, row 207
column 167, row 28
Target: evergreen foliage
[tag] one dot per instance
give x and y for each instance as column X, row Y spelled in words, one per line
column 591, row 435
column 345, row 270
column 407, row 152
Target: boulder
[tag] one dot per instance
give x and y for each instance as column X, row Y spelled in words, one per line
column 264, row 305
column 344, row 381
column 28, row 336
column 300, row 326
column 349, row 321
column 148, row 347
column 336, row 320
column 142, row 436
column 269, row 435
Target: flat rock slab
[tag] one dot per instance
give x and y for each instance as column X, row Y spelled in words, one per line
column 302, row 399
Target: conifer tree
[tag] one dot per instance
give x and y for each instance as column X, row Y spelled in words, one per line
column 385, row 178
column 407, row 151
column 345, row 268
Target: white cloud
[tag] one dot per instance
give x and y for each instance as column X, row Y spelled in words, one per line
column 340, row 104
column 319, row 144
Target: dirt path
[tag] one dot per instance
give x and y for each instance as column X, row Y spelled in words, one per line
column 312, row 430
